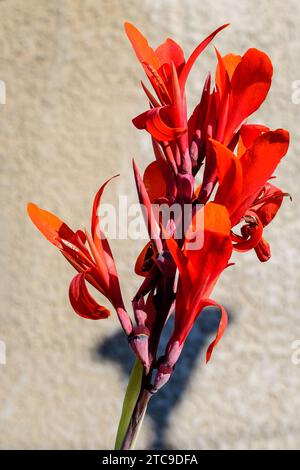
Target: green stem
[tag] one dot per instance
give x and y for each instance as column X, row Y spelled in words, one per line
column 136, row 420
column 131, row 396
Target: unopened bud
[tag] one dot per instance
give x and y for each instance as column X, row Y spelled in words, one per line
column 163, row 375
column 167, row 365
column 139, row 342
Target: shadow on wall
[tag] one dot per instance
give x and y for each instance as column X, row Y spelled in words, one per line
column 160, row 408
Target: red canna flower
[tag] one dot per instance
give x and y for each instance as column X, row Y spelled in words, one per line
column 241, row 86
column 167, row 72
column 265, row 208
column 95, row 265
column 179, row 275
column 244, row 189
column 166, row 120
column 199, row 270
column 215, row 128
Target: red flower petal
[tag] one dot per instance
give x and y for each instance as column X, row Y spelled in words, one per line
column 49, row 225
column 154, row 182
column 144, row 257
column 267, row 206
column 95, row 218
column 82, row 301
column 178, row 110
column 199, row 269
column 103, row 276
column 151, row 98
column 213, row 256
column 255, row 233
column 181, row 262
column 141, row 47
column 149, row 216
column 168, row 52
column 263, row 250
column 230, row 63
column 258, row 165
column 241, row 180
column 57, row 232
column 99, row 237
column 193, row 57
column 156, row 125
column 250, row 84
column 197, row 119
column 221, row 328
column 222, row 77
column 248, row 134
column 230, row 176
column 166, row 168
column 140, row 121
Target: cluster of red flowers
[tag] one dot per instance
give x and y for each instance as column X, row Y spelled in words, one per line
column 237, row 159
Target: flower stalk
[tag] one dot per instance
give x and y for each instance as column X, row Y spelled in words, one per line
column 136, row 420
column 230, row 209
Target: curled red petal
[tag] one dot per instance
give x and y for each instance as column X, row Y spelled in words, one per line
column 140, row 121
column 82, row 301
column 96, row 204
column 268, row 211
column 155, row 124
column 221, row 328
column 267, row 206
column 263, row 250
column 255, row 234
column 103, row 276
column 100, row 246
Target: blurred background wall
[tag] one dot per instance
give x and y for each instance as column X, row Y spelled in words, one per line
column 72, row 87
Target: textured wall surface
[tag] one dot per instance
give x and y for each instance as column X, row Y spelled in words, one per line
column 72, row 88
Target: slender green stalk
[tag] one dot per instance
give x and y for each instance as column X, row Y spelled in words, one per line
column 136, row 420
column 129, row 403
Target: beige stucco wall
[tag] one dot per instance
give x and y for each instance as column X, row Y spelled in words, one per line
column 72, row 87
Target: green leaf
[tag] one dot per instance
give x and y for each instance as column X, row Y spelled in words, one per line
column 131, row 396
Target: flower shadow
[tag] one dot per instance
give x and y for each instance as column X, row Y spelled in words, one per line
column 116, row 349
